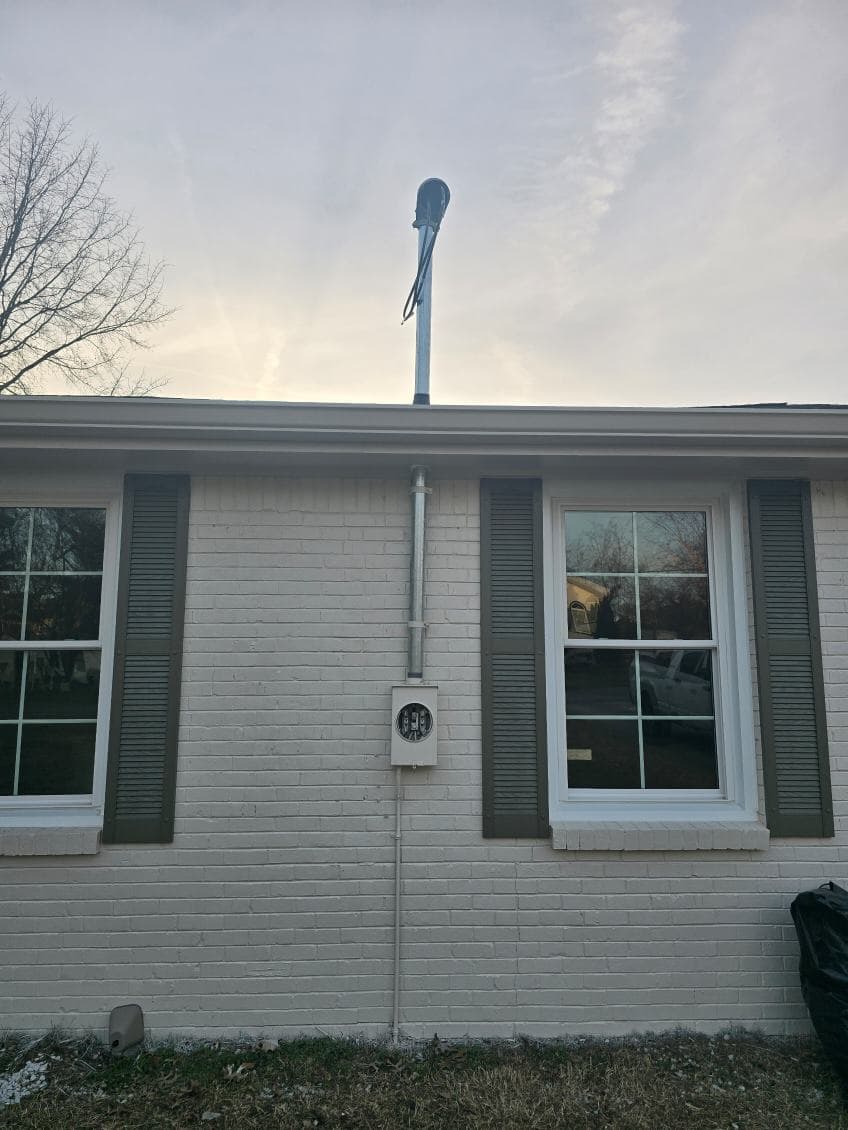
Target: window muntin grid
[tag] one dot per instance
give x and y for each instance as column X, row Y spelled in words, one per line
column 639, row 621
column 51, row 572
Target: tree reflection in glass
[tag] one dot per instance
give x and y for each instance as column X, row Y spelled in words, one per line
column 674, row 608
column 14, row 534
column 598, row 542
column 63, row 608
column 67, row 540
column 672, row 541
column 11, row 607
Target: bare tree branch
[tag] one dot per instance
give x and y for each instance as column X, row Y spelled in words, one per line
column 77, row 290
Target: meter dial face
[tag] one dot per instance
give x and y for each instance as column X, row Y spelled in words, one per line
column 414, row 722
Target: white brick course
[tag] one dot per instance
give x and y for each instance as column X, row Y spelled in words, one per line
column 272, row 910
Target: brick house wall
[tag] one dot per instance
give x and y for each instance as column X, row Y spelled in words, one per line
column 272, row 910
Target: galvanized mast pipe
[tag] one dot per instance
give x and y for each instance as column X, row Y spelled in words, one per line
column 430, row 206
column 423, row 315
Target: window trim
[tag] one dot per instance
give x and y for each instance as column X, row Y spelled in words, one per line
column 738, row 799
column 76, row 810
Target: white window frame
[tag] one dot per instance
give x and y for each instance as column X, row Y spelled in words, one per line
column 80, row 810
column 736, row 798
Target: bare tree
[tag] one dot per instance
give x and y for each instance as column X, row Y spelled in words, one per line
column 77, row 291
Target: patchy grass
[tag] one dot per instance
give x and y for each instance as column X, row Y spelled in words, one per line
column 737, row 1081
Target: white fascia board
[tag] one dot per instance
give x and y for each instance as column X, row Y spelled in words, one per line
column 151, row 423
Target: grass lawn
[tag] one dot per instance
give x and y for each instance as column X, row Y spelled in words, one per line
column 737, row 1081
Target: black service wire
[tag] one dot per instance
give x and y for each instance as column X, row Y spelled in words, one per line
column 414, row 296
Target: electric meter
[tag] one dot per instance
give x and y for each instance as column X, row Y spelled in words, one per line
column 414, row 725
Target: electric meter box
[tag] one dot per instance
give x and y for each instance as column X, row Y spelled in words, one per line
column 414, row 716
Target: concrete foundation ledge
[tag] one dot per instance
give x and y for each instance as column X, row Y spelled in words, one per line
column 700, row 836
column 49, row 841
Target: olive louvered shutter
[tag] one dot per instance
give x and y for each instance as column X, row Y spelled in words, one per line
column 515, row 787
column 148, row 658
column 791, row 690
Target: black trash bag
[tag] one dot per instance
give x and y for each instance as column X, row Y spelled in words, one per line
column 821, row 922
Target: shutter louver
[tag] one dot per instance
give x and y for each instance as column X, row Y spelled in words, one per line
column 148, row 659
column 515, row 795
column 796, row 771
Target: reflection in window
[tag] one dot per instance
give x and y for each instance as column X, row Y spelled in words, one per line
column 680, row 756
column 51, row 564
column 67, row 540
column 56, row 760
column 601, row 750
column 665, row 598
column 601, row 607
column 674, row 608
column 63, row 608
column 672, row 542
column 14, row 536
column 639, row 715
column 599, row 542
column 11, row 606
column 600, row 682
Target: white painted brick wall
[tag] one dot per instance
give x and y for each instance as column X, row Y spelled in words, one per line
column 272, row 910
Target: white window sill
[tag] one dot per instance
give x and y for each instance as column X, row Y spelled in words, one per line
column 50, row 826
column 49, row 841
column 699, row 835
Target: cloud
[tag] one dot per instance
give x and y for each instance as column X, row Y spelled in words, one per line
column 722, row 278
column 227, row 331
column 268, row 385
column 630, row 85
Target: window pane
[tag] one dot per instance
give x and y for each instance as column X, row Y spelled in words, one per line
column 14, row 534
column 672, row 542
column 56, row 759
column 11, row 664
column 11, row 607
column 62, row 684
column 601, row 608
column 680, row 754
column 598, row 542
column 8, row 742
column 674, row 608
column 676, row 682
column 599, row 682
column 603, row 755
column 63, row 608
column 67, row 540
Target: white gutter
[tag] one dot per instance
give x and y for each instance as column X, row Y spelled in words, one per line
column 481, row 440
column 188, row 421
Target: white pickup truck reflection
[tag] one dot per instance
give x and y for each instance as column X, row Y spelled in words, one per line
column 674, row 683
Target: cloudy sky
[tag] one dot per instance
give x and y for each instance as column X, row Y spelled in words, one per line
column 650, row 198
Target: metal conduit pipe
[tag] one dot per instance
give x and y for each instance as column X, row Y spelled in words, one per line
column 430, row 205
column 414, row 673
column 398, row 905
column 415, row 658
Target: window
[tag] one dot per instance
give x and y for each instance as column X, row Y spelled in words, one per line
column 647, row 650
column 638, row 697
column 55, row 642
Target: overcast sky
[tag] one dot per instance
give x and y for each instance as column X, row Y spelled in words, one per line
column 649, row 199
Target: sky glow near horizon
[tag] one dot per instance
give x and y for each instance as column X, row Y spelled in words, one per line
column 649, row 199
